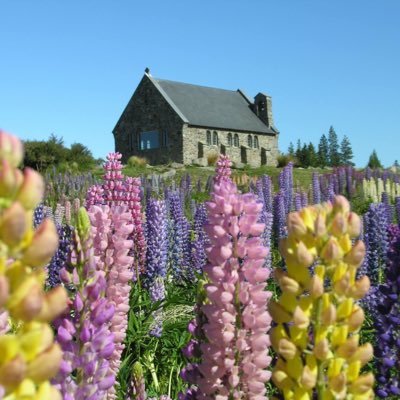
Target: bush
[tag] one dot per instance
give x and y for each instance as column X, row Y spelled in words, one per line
column 284, row 159
column 135, row 161
column 212, row 158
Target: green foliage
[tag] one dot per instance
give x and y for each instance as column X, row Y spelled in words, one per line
column 284, row 159
column 135, row 161
column 291, row 150
column 323, row 152
column 334, row 154
column 346, row 152
column 41, row 155
column 374, row 161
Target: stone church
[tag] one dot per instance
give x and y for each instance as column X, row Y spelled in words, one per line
column 168, row 121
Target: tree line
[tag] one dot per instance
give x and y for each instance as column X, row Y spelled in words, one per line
column 328, row 153
column 42, row 154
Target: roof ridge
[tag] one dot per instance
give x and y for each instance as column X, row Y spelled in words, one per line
column 192, row 84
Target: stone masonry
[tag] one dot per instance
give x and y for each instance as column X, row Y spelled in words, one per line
column 149, row 109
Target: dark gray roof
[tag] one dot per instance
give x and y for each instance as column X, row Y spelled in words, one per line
column 211, row 107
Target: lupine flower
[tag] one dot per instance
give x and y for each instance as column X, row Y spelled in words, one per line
column 279, row 216
column 397, row 205
column 111, row 230
column 389, row 210
column 223, row 170
column 286, row 186
column 316, row 189
column 234, row 355
column 375, row 225
column 113, row 179
column 298, row 201
column 179, row 240
column 267, row 219
column 200, row 241
column 267, row 191
column 28, row 356
column 138, row 388
column 84, row 332
column 318, row 321
column 38, row 215
column 61, row 255
column 68, row 215
column 386, row 317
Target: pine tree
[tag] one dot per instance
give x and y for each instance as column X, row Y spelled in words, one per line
column 299, row 154
column 346, row 152
column 374, row 161
column 291, row 149
column 305, row 156
column 312, row 155
column 323, row 152
column 334, row 154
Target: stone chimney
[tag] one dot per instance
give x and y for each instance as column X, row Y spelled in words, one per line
column 263, row 109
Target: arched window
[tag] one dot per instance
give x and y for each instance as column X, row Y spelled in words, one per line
column 209, row 138
column 249, row 141
column 230, row 139
column 236, row 140
column 255, row 143
column 215, row 138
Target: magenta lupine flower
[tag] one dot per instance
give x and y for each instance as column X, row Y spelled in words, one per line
column 94, row 196
column 84, row 333
column 111, row 229
column 113, row 179
column 234, row 352
column 223, row 170
column 132, row 188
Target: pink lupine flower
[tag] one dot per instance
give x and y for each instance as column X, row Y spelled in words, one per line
column 112, row 227
column 223, row 171
column 233, row 321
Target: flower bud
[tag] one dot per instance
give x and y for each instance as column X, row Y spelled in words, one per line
column 55, row 303
column 338, row 385
column 316, row 287
column 356, row 319
column 341, row 204
column 360, row 288
column 8, row 181
column 354, row 225
column 362, row 384
column 329, row 315
column 12, row 372
column 300, row 318
column 4, row 290
column 46, row 365
column 83, row 224
column 30, row 305
column 43, row 245
column 308, row 378
column 13, row 225
column 347, row 349
column 287, row 349
column 320, row 226
column 278, row 313
column 356, row 255
column 331, row 252
column 32, row 189
column 321, row 350
column 363, row 354
column 339, row 225
column 289, row 285
column 303, row 256
column 11, row 149
column 295, row 225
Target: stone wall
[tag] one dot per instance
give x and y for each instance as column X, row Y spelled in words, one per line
column 196, row 149
column 147, row 111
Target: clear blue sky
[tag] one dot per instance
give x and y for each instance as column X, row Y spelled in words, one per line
column 70, row 67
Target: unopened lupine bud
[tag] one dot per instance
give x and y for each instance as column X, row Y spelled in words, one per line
column 46, row 365
column 31, row 191
column 354, row 225
column 316, row 286
column 13, row 225
column 362, row 384
column 321, row 349
column 287, row 349
column 331, row 252
column 295, row 225
column 356, row 255
column 356, row 318
column 360, row 288
column 55, row 303
column 44, row 244
column 4, row 290
column 12, row 372
column 11, row 149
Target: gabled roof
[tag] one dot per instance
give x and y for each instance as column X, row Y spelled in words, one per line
column 211, row 107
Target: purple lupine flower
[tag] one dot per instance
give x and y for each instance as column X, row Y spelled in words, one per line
column 267, row 219
column 316, row 189
column 397, row 205
column 286, row 186
column 38, row 215
column 304, row 199
column 386, row 315
column 389, row 209
column 279, row 216
column 157, row 240
column 60, row 257
column 267, row 191
column 349, row 181
column 84, row 333
column 375, row 225
column 179, row 240
column 200, row 240
column 297, row 201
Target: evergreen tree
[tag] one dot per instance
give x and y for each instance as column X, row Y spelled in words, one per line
column 312, row 155
column 323, row 152
column 374, row 161
column 346, row 152
column 334, row 154
column 298, row 153
column 396, row 164
column 305, row 156
column 291, row 149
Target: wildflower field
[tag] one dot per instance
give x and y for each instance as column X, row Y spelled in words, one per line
column 231, row 288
